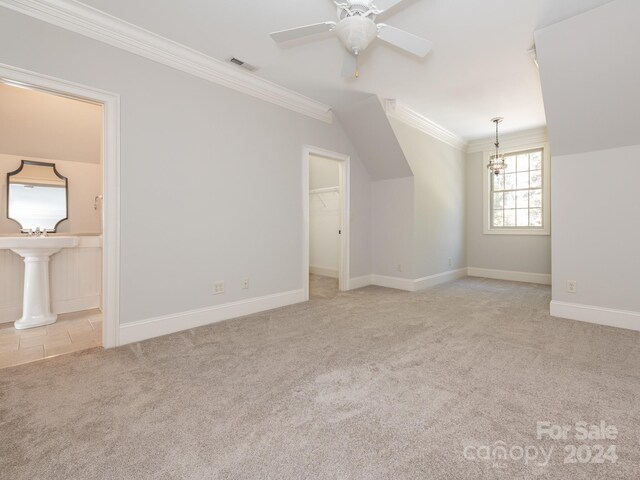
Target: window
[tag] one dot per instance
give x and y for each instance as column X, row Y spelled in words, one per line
column 516, row 194
column 517, row 200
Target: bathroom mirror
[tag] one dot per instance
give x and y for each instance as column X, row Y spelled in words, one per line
column 37, row 196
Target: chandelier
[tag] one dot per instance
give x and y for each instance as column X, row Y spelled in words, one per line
column 497, row 165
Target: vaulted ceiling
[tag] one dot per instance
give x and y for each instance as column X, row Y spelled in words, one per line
column 479, row 67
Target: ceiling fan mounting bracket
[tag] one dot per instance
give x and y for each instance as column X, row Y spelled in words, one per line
column 357, row 8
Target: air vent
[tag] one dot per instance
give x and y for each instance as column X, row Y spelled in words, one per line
column 242, row 64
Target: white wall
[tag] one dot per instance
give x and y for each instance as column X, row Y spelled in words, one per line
column 84, row 184
column 46, row 126
column 324, row 217
column 596, row 228
column 323, row 173
column 439, row 172
column 513, row 253
column 210, row 178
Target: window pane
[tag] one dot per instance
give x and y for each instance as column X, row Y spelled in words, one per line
column 536, row 217
column 509, row 218
column 498, row 218
column 522, row 199
column 511, row 164
column 523, row 163
column 535, row 199
column 510, row 200
column 536, row 161
column 498, row 201
column 523, row 180
column 523, row 217
column 510, row 181
column 498, row 182
column 536, row 179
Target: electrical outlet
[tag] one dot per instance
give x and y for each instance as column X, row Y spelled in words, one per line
column 218, row 288
column 399, row 267
column 245, row 284
column 572, row 286
column 450, row 262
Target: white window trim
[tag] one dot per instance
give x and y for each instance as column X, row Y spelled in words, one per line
column 546, row 193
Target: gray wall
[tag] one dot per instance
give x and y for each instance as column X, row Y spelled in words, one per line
column 517, row 253
column 596, row 228
column 590, row 76
column 439, row 218
column 210, row 178
column 392, row 209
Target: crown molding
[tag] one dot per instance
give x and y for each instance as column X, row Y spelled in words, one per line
column 412, row 118
column 92, row 23
column 524, row 139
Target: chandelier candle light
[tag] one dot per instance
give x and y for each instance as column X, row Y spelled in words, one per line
column 496, row 163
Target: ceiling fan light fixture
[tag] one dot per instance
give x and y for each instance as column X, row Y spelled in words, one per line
column 356, row 33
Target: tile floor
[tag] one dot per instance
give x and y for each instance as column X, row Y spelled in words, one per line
column 71, row 333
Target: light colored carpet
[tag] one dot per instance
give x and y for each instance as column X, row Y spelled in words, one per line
column 370, row 384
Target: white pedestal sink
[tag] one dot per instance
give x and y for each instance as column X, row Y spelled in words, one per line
column 36, row 252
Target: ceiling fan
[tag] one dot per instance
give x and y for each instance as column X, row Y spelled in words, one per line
column 356, row 28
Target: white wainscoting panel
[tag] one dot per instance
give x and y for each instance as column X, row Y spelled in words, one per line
column 75, row 276
column 11, row 286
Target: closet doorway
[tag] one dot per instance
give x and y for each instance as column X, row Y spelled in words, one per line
column 326, row 269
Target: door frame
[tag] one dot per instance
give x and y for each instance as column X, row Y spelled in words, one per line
column 110, row 103
column 344, row 161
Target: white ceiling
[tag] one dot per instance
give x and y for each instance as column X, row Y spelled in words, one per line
column 479, row 67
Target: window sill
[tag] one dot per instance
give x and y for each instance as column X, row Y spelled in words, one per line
column 515, row 231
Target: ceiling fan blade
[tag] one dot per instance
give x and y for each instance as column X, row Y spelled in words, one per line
column 406, row 41
column 350, row 65
column 384, row 5
column 294, row 33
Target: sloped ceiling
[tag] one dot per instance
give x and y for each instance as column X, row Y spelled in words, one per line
column 367, row 125
column 591, row 79
column 478, row 69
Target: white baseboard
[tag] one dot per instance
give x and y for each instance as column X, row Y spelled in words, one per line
column 409, row 285
column 433, row 280
column 397, row 283
column 527, row 277
column 324, row 272
column 599, row 315
column 359, row 282
column 159, row 326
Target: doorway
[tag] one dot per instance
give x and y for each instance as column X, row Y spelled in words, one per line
column 106, row 203
column 326, row 225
